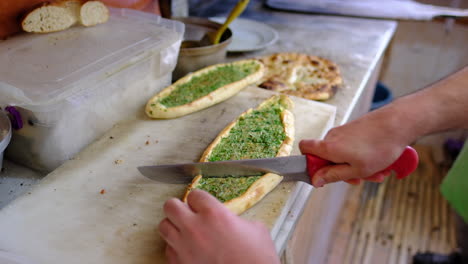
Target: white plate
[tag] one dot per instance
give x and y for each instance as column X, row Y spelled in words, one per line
column 249, row 35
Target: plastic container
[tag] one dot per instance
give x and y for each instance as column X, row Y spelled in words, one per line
column 10, row 258
column 71, row 86
column 5, row 135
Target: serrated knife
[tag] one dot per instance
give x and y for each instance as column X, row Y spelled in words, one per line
column 293, row 168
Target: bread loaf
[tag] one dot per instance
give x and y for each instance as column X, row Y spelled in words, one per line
column 56, row 16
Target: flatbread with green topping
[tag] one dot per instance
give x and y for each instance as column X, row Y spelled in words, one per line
column 204, row 88
column 264, row 132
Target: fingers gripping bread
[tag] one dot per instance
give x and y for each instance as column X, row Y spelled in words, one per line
column 56, row 16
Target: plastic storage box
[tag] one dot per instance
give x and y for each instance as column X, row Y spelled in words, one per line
column 5, row 135
column 71, row 86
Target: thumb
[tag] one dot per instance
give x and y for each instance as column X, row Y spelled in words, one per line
column 315, row 147
column 334, row 173
column 201, row 201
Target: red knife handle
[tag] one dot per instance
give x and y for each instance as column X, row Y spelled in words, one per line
column 403, row 166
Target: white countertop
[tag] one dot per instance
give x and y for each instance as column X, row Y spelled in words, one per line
column 15, row 180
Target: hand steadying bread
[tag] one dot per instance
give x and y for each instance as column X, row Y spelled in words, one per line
column 56, row 16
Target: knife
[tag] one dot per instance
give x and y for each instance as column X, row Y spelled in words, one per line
column 292, row 168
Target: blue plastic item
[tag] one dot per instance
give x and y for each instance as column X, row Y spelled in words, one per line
column 382, row 96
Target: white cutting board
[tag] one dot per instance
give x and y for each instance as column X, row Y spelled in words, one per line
column 66, row 219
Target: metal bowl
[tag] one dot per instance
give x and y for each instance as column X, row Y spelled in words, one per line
column 5, row 134
column 194, row 58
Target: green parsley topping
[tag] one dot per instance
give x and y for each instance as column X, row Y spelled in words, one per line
column 258, row 134
column 225, row 189
column 206, row 83
column 255, row 136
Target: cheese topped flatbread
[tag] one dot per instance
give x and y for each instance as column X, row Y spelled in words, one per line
column 301, row 75
column 264, row 132
column 204, row 88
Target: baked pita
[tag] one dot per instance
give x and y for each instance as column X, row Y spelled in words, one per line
column 264, row 132
column 204, row 88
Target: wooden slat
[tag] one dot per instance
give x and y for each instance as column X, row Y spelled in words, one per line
column 392, row 221
column 345, row 226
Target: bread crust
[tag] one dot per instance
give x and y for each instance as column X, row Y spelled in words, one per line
column 154, row 109
column 254, row 194
column 301, row 75
column 268, row 181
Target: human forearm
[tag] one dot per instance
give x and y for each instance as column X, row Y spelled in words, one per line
column 440, row 107
column 371, row 143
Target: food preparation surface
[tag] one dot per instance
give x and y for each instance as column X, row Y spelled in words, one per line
column 97, row 208
column 16, row 180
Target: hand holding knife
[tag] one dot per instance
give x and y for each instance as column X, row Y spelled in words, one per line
column 293, row 168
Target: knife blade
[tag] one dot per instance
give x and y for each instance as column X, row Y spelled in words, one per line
column 292, row 168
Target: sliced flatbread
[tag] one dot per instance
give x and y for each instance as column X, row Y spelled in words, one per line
column 264, row 132
column 301, row 75
column 204, row 88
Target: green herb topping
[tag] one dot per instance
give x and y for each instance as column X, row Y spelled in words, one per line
column 255, row 136
column 225, row 189
column 206, row 83
column 258, row 134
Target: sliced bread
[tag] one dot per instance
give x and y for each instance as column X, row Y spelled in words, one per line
column 93, row 13
column 56, row 16
column 51, row 17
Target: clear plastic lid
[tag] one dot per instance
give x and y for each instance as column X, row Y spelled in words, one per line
column 10, row 258
column 38, row 68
